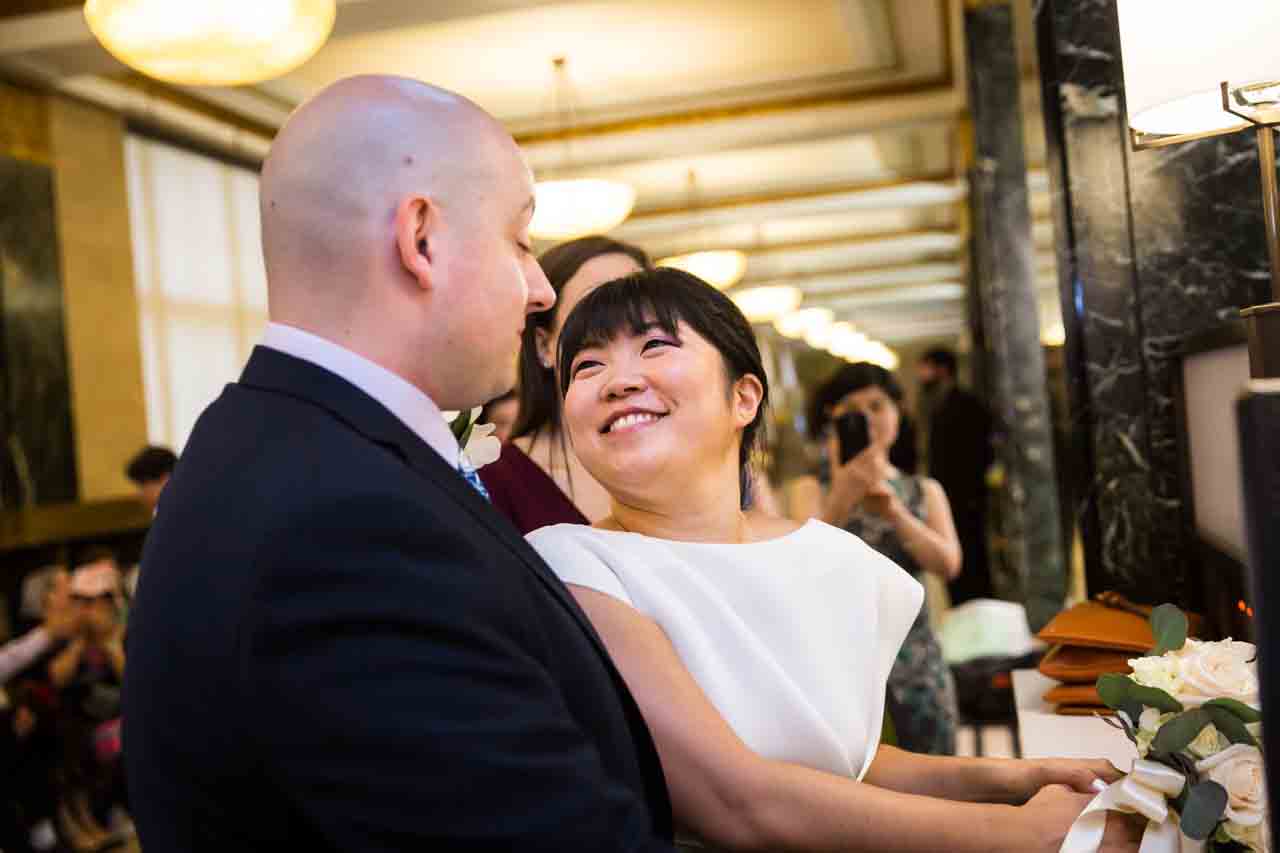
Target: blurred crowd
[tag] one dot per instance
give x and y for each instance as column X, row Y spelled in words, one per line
column 60, row 707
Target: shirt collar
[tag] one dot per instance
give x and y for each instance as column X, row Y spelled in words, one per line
column 400, row 397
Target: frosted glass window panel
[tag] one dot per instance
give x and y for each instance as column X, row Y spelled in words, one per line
column 202, row 358
column 200, row 279
column 155, row 382
column 251, row 274
column 137, row 175
column 192, row 221
column 1212, row 383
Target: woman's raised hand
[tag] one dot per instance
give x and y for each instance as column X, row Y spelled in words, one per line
column 1047, row 818
column 850, row 482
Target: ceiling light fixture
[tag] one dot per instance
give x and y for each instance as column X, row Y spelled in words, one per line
column 228, row 43
column 766, row 304
column 570, row 208
column 799, row 323
column 846, row 341
column 721, row 268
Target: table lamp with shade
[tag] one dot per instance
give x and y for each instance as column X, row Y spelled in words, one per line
column 1196, row 69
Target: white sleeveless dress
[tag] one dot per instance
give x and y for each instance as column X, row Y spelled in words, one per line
column 791, row 639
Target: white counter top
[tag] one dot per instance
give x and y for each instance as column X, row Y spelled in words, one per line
column 1045, row 734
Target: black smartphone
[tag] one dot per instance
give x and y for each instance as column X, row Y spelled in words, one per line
column 854, row 433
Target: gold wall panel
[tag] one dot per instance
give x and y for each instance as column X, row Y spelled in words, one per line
column 108, row 402
column 24, row 125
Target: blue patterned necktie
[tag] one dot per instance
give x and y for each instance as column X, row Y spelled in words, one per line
column 469, row 474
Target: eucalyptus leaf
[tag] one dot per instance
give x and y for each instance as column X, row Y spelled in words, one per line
column 1154, row 697
column 1169, row 625
column 1121, row 693
column 1229, row 724
column 1175, row 735
column 1114, row 690
column 1205, row 805
column 461, row 425
column 1239, row 709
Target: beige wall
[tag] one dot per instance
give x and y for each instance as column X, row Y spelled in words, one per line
column 107, row 399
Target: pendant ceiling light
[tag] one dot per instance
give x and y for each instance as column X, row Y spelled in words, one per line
column 570, row 208
column 766, row 304
column 720, row 268
column 847, row 342
column 797, row 324
column 567, row 209
column 223, row 43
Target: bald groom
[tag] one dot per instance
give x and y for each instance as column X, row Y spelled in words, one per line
column 337, row 643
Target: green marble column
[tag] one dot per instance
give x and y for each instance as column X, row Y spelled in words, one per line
column 1005, row 280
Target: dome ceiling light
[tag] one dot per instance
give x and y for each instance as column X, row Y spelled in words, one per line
column 721, row 268
column 569, row 208
column 227, row 43
column 799, row 323
column 768, row 303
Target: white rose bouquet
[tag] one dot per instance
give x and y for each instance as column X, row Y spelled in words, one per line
column 1192, row 710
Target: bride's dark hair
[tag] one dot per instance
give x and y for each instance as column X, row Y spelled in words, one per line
column 666, row 297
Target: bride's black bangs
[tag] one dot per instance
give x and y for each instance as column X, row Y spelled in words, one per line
column 635, row 303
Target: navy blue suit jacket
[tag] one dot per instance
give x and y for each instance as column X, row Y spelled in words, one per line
column 336, row 642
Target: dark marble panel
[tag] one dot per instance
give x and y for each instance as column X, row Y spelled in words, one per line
column 1007, row 286
column 1106, row 374
column 1153, row 247
column 35, row 392
column 1197, row 221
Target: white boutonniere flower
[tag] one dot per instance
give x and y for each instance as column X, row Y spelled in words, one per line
column 478, row 445
column 482, row 446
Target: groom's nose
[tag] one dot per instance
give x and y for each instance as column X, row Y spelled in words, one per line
column 541, row 295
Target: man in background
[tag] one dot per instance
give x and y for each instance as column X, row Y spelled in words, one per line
column 149, row 471
column 959, row 454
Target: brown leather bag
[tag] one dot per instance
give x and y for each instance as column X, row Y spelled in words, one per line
column 1096, row 626
column 1074, row 694
column 1079, row 665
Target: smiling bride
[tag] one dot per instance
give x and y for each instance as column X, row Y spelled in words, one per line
column 757, row 648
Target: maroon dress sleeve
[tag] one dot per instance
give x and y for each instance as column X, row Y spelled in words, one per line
column 525, row 494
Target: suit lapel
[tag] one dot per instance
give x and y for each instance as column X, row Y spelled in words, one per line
column 275, row 371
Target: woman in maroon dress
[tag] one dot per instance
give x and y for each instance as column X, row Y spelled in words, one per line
column 538, row 480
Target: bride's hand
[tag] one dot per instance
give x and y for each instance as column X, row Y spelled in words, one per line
column 1047, row 817
column 1078, row 774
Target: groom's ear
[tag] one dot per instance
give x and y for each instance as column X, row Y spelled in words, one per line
column 416, row 220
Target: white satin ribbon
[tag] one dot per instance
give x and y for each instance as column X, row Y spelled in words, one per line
column 1145, row 791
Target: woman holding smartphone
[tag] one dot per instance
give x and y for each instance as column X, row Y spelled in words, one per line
column 905, row 517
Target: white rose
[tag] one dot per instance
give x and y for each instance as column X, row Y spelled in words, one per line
column 1209, row 742
column 1221, row 670
column 1238, row 769
column 1164, row 673
column 1148, row 724
column 1257, row 837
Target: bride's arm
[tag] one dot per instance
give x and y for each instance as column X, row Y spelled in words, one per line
column 736, row 799
column 985, row 780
